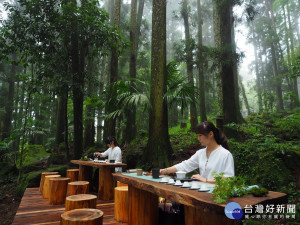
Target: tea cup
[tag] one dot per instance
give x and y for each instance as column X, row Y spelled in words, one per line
column 178, row 183
column 164, row 180
column 139, row 172
column 203, row 187
column 180, row 174
column 155, row 173
column 171, row 181
column 194, row 186
column 186, row 184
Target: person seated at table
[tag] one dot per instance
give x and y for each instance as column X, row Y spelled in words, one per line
column 214, row 157
column 113, row 152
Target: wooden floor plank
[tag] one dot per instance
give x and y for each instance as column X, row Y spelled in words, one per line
column 35, row 210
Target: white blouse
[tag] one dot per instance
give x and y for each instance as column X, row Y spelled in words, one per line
column 220, row 160
column 114, row 154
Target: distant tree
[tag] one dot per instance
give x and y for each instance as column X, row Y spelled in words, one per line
column 274, row 55
column 200, row 64
column 158, row 146
column 7, row 120
column 110, row 124
column 189, row 59
column 130, row 130
column 224, row 43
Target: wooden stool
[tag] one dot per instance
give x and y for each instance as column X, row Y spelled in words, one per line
column 82, row 217
column 73, row 174
column 120, row 184
column 46, row 187
column 58, row 190
column 81, row 201
column 78, row 187
column 121, row 203
column 43, row 179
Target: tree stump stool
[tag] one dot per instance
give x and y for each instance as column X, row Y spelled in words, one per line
column 46, row 188
column 78, row 187
column 82, row 217
column 121, row 203
column 73, row 174
column 58, row 190
column 80, row 201
column 43, row 179
column 120, row 184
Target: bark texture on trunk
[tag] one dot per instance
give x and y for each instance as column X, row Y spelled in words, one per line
column 158, row 146
column 189, row 61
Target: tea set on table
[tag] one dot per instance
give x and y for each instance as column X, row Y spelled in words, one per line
column 181, row 181
column 103, row 161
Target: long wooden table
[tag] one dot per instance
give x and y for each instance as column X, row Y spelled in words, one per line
column 199, row 207
column 106, row 182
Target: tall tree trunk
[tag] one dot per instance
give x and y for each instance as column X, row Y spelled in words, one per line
column 223, row 41
column 236, row 74
column 189, row 61
column 110, row 124
column 278, row 91
column 258, row 81
column 173, row 115
column 158, row 146
column 66, row 124
column 130, row 130
column 139, row 20
column 295, row 84
column 101, row 88
column 20, row 117
column 288, row 52
column 111, row 10
column 202, row 110
column 10, row 100
column 77, row 89
column 89, row 131
column 244, row 95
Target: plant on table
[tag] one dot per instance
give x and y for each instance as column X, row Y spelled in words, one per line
column 228, row 187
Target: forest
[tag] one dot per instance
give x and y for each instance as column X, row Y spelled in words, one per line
column 147, row 72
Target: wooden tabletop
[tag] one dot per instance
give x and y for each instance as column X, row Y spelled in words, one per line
column 97, row 164
column 195, row 198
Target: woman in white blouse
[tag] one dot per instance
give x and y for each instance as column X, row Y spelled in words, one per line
column 215, row 157
column 113, row 152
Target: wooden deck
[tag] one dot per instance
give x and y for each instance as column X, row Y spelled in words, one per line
column 34, row 209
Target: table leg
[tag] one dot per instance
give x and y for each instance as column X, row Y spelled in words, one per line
column 205, row 216
column 106, row 183
column 143, row 207
column 85, row 173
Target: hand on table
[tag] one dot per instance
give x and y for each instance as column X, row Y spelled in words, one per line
column 162, row 171
column 198, row 177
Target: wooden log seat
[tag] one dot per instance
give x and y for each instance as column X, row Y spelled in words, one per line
column 73, row 174
column 121, row 204
column 58, row 190
column 78, row 187
column 82, row 217
column 46, row 188
column 80, row 201
column 120, row 184
column 43, row 179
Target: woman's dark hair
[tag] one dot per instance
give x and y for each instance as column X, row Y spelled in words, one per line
column 110, row 139
column 206, row 127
